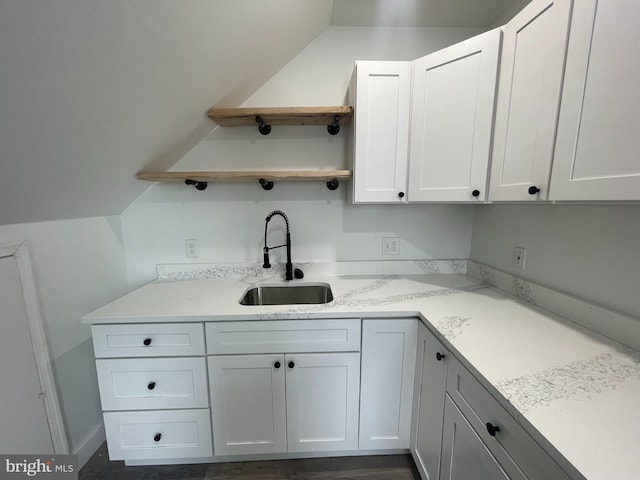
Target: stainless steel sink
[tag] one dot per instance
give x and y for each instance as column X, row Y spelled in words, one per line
column 295, row 294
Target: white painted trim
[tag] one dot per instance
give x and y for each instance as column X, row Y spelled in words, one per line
column 19, row 251
column 89, row 444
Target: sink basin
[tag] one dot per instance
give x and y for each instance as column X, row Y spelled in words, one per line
column 301, row 293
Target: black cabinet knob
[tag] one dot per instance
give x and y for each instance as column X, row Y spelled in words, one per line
column 157, row 437
column 291, row 364
column 439, row 356
column 146, row 342
column 401, row 195
column 533, row 190
column 476, row 193
column 151, row 385
column 492, row 429
column 276, row 365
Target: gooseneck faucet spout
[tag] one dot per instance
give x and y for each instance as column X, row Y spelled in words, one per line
column 288, row 266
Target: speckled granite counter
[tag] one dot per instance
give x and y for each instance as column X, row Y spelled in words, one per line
column 571, row 388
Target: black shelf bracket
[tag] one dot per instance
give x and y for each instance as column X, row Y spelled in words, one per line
column 333, row 184
column 196, row 183
column 263, row 128
column 266, row 184
column 334, row 127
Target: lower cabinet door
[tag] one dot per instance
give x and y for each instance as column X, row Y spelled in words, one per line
column 248, row 404
column 388, row 366
column 428, row 403
column 166, row 434
column 464, row 455
column 323, row 393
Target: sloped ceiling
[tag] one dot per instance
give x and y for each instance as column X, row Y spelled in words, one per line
column 93, row 91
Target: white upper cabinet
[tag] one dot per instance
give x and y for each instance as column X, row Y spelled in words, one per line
column 380, row 93
column 453, row 95
column 531, row 69
column 598, row 140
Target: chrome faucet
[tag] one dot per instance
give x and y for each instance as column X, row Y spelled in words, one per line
column 289, row 273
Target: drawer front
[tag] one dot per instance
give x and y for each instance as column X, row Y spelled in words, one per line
column 518, row 453
column 283, row 336
column 161, row 434
column 152, row 383
column 148, row 340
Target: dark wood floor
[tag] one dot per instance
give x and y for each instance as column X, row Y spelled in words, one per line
column 381, row 467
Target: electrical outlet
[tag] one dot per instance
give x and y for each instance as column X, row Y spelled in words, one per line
column 191, row 247
column 390, row 246
column 519, row 256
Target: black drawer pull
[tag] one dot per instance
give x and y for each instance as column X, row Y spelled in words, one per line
column 439, row 356
column 276, row 365
column 492, row 429
column 151, row 385
column 157, row 437
column 146, row 342
column 291, row 364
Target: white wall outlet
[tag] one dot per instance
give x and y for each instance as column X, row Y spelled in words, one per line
column 519, row 256
column 191, row 247
column 390, row 246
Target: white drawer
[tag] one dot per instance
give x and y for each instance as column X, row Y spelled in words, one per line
column 159, row 434
column 284, row 336
column 518, row 453
column 148, row 340
column 152, row 383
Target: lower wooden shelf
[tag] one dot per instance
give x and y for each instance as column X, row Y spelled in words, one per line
column 266, row 178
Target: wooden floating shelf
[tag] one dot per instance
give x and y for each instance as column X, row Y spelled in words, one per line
column 240, row 117
column 249, row 176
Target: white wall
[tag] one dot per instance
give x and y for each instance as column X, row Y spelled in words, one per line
column 78, row 266
column 589, row 251
column 228, row 222
column 510, row 12
column 228, row 219
column 320, row 74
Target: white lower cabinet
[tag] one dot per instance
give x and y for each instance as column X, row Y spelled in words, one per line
column 289, row 401
column 518, row 454
column 248, row 404
column 388, row 366
column 461, row 431
column 159, row 434
column 155, row 408
column 464, row 455
column 323, row 392
column 379, row 384
column 428, row 403
column 284, row 403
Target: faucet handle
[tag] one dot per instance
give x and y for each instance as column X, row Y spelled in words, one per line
column 297, row 273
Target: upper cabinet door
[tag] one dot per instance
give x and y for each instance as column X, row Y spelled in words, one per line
column 381, row 96
column 452, row 117
column 598, row 139
column 531, row 70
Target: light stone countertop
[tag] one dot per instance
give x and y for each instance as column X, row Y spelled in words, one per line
column 568, row 386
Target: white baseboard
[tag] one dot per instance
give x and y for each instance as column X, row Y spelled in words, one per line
column 89, row 444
